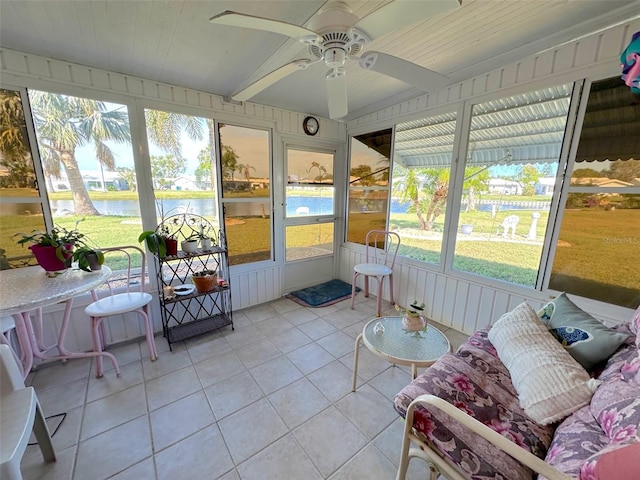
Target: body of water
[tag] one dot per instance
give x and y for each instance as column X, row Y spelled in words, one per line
column 296, row 206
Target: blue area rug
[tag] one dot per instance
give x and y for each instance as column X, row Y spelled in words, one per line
column 322, row 295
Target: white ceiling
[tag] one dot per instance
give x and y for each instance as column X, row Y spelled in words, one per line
column 174, row 42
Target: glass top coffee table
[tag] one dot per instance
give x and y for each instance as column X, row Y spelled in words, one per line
column 398, row 346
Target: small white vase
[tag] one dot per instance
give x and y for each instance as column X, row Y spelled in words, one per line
column 205, row 244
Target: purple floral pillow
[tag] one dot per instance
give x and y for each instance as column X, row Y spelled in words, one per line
column 616, row 407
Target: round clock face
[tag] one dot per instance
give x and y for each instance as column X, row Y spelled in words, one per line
column 310, row 125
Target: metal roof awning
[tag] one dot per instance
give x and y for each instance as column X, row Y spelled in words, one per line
column 528, row 128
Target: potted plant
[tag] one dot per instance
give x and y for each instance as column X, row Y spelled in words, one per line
column 53, row 250
column 89, row 259
column 413, row 319
column 205, row 240
column 156, row 243
column 205, row 280
column 190, row 244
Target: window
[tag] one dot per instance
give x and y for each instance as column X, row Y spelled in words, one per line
column 310, row 205
column 21, row 198
column 422, row 154
column 598, row 249
column 370, row 158
column 85, row 148
column 509, row 181
column 184, row 175
column 246, row 193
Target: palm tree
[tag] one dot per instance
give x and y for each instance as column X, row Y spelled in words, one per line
column 15, row 155
column 244, row 169
column 65, row 123
column 164, row 129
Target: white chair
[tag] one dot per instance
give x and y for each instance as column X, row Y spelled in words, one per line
column 126, row 294
column 7, row 325
column 20, row 414
column 381, row 251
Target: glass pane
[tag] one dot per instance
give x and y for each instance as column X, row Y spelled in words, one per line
column 369, row 158
column 248, row 227
column 422, row 156
column 20, row 204
column 85, row 147
column 182, row 151
column 309, row 180
column 509, row 179
column 245, row 162
column 598, row 250
column 17, row 174
column 307, row 241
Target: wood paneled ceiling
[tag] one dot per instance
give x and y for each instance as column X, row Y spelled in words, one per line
column 174, row 42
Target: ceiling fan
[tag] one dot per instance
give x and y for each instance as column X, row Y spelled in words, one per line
column 337, row 36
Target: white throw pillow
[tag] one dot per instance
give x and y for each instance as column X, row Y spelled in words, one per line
column 550, row 383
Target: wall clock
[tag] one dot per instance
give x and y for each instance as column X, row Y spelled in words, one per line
column 310, row 125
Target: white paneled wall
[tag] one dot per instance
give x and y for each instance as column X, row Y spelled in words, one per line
column 32, row 71
column 458, row 302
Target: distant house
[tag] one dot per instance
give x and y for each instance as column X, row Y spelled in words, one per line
column 545, row 186
column 185, row 182
column 504, row 186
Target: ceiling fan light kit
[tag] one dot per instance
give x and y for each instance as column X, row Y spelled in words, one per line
column 337, row 35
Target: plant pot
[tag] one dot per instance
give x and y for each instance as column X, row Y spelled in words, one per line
column 414, row 323
column 205, row 244
column 93, row 261
column 47, row 257
column 466, row 229
column 172, row 246
column 189, row 246
column 205, row 281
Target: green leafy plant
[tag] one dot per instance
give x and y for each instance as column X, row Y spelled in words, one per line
column 87, row 257
column 156, row 242
column 414, row 310
column 63, row 239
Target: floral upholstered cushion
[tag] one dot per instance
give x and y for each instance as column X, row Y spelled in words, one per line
column 476, row 381
column 582, row 438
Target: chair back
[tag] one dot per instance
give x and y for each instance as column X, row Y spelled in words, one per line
column 10, row 375
column 128, row 263
column 382, row 247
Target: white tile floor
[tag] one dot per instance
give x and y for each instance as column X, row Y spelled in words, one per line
column 270, row 400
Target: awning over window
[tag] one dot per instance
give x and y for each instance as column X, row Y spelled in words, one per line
column 528, row 129
column 611, row 128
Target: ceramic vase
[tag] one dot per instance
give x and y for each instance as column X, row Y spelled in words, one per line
column 48, row 259
column 189, row 246
column 205, row 244
column 172, row 246
column 413, row 323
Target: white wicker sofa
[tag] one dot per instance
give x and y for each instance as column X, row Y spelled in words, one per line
column 464, row 416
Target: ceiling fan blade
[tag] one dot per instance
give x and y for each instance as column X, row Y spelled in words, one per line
column 400, row 13
column 259, row 23
column 408, row 72
column 337, row 95
column 269, row 79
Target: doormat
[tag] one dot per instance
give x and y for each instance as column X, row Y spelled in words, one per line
column 322, row 295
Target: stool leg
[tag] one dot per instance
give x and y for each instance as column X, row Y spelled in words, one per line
column 353, row 289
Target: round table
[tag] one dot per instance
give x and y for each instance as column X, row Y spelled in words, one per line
column 23, row 290
column 398, row 346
